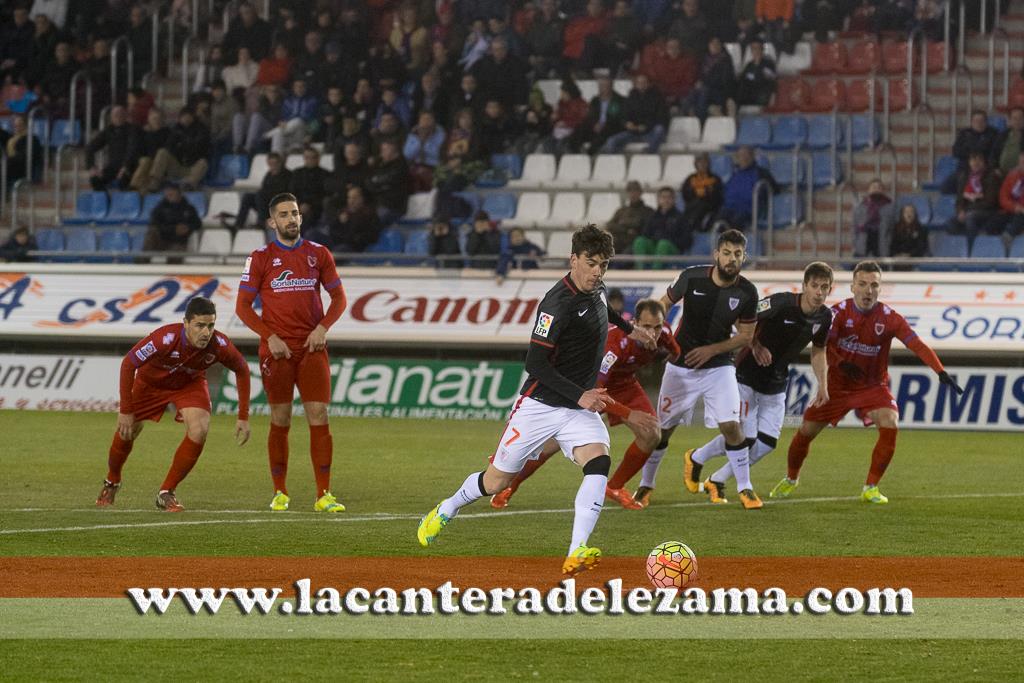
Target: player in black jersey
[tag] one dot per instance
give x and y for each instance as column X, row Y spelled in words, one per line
column 714, row 298
column 558, row 400
column 786, row 323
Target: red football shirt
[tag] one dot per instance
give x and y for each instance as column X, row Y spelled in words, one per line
column 624, row 356
column 288, row 281
column 859, row 342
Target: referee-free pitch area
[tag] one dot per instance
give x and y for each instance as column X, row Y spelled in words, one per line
column 951, row 533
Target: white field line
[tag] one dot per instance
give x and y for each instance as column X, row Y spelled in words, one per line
column 285, row 517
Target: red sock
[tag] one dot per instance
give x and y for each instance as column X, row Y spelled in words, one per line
column 119, row 451
column 184, row 460
column 798, row 449
column 885, row 447
column 529, row 468
column 277, row 450
column 632, row 461
column 321, row 452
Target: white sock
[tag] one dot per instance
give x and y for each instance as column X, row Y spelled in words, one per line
column 723, row 474
column 739, row 458
column 709, row 450
column 650, row 469
column 759, row 450
column 467, row 493
column 589, row 500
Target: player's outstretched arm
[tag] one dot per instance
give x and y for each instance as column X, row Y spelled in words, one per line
column 929, row 358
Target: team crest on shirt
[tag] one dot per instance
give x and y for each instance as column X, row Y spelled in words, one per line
column 209, row 358
column 146, row 351
column 311, row 260
column 762, row 305
column 733, row 303
column 543, row 325
column 276, row 262
column 175, row 354
column 849, row 322
column 608, row 362
column 879, row 328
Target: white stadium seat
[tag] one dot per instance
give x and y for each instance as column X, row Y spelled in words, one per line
column 683, row 131
column 221, row 202
column 538, row 237
column 567, row 208
column 532, row 208
column 602, row 207
column 572, row 169
column 793, row 64
column 560, row 244
column 718, row 131
column 247, row 241
column 420, row 208
column 538, row 170
column 644, row 168
column 293, row 161
column 215, row 241
column 677, row 168
column 257, row 169
column 327, row 162
column 609, row 172
column 650, row 199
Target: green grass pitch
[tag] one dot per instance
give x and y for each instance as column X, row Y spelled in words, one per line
column 951, row 493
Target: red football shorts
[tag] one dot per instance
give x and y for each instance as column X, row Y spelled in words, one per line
column 310, row 372
column 631, row 395
column 862, row 401
column 149, row 402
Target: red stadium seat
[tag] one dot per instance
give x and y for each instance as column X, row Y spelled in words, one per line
column 936, row 57
column 859, row 94
column 1016, row 94
column 864, row 58
column 899, row 95
column 826, row 95
column 829, row 58
column 894, row 57
column 791, row 95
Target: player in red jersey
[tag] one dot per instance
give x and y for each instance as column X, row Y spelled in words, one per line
column 169, row 366
column 287, row 274
column 858, row 378
column 623, row 357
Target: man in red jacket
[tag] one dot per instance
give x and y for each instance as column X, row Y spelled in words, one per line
column 1011, row 201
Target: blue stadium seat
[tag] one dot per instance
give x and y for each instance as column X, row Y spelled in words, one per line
column 991, row 247
column 124, row 208
column 1017, row 247
column 921, row 202
column 862, row 137
column 149, row 203
column 389, row 242
column 788, row 132
column 198, row 200
column 230, row 168
column 138, row 238
column 825, row 171
column 80, row 239
column 820, row 132
column 63, row 133
column 500, row 205
column 997, row 121
column 943, row 210
column 115, row 241
column 504, row 167
column 755, row 131
column 947, row 246
column 702, row 244
column 781, row 167
column 721, row 165
column 471, row 198
column 41, row 129
column 945, row 167
column 418, row 242
column 89, row 208
column 786, row 208
column 50, row 239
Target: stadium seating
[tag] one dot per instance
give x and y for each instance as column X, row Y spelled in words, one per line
column 900, row 95
column 247, row 241
column 859, row 94
column 473, row 200
column 420, row 208
column 1017, row 247
column 215, row 241
column 864, row 57
column 781, row 167
column 997, row 121
column 538, row 237
column 89, row 208
column 894, row 57
column 645, row 168
column 230, row 168
column 124, row 208
column 63, row 133
column 863, row 132
column 609, row 172
column 935, row 56
column 504, row 167
column 532, row 208
column 798, row 61
column 947, row 246
column 50, row 239
column 945, row 168
column 149, row 202
column 572, row 169
column 826, row 170
column 827, row 58
column 257, row 169
column 114, row 241
column 718, row 132
column 989, row 247
column 791, row 96
column 822, row 130
column 417, row 243
column 683, row 131
column 828, row 94
column 221, row 203
column 567, row 209
column 198, row 202
column 787, row 208
column 560, row 244
column 754, row 131
column 702, row 244
column 788, row 132
column 921, row 202
column 677, row 168
column 721, row 165
column 538, row 170
column 601, row 207
column 500, row 205
column 138, row 238
column 943, row 210
column 80, row 240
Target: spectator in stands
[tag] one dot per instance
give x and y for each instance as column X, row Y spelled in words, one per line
column 1009, row 143
column 605, row 118
column 614, row 48
column 363, row 102
column 172, row 222
column 448, row 71
column 873, row 220
column 544, row 39
column 1011, row 200
column 756, row 83
column 356, row 226
column 140, row 35
column 278, row 179
column 463, row 141
column 310, row 60
column 776, row 17
column 391, row 102
column 242, row 75
column 308, row 184
column 350, row 171
column 928, row 17
column 535, row 124
column 54, row 84
column 288, row 31
column 248, row 31
column 617, row 302
column 909, row 238
column 738, row 196
column 16, row 44
column 152, row 138
column 185, row 155
column 17, row 146
column 691, row 28
column 499, row 28
column 120, row 139
column 645, row 118
column 298, row 119
column 664, row 234
column 628, row 221
column 329, row 116
column 497, row 130
column 520, row 253
column 56, row 10
column 333, row 72
column 275, row 69
column 977, row 197
column 411, row 40
column 422, row 150
column 483, row 241
column 428, row 96
column 388, row 128
column 715, row 85
column 219, row 116
column 390, row 183
column 97, row 66
column 702, row 195
column 475, row 46
column 353, row 34
column 17, row 247
column 501, row 76
column 747, row 31
column 255, row 126
column 211, row 71
column 579, row 28
column 468, row 96
column 139, row 103
column 569, row 115
column 444, row 243
column 979, row 137
column 670, row 70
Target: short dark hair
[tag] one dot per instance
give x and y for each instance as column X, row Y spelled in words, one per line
column 652, row 305
column 616, row 294
column 731, row 236
column 592, row 240
column 199, row 305
column 666, row 188
column 982, row 112
column 281, row 198
column 818, row 269
column 867, row 267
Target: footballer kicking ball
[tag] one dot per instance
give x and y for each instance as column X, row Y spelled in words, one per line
column 671, row 565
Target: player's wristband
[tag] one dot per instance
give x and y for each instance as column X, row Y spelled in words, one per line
column 618, row 410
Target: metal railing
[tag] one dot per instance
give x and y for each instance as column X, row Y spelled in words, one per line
column 73, row 101
column 186, row 56
column 923, row 107
column 44, row 143
column 946, row 47
column 961, row 46
column 808, row 221
column 955, row 92
column 999, row 34
column 762, row 186
column 58, row 177
column 3, row 178
column 983, row 15
column 841, row 213
column 115, row 49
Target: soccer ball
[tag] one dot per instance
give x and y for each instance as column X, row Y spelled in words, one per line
column 671, row 565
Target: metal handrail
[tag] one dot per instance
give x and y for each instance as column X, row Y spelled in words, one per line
column 755, row 202
column 962, row 43
column 849, row 147
column 3, row 179
column 946, row 47
column 114, row 50
column 892, row 165
column 953, row 110
column 44, row 144
column 886, row 111
column 916, row 34
column 57, row 177
column 186, row 57
column 73, row 100
column 195, row 17
column 170, row 42
column 840, row 213
column 15, row 193
column 809, row 204
column 925, row 107
column 1002, row 35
